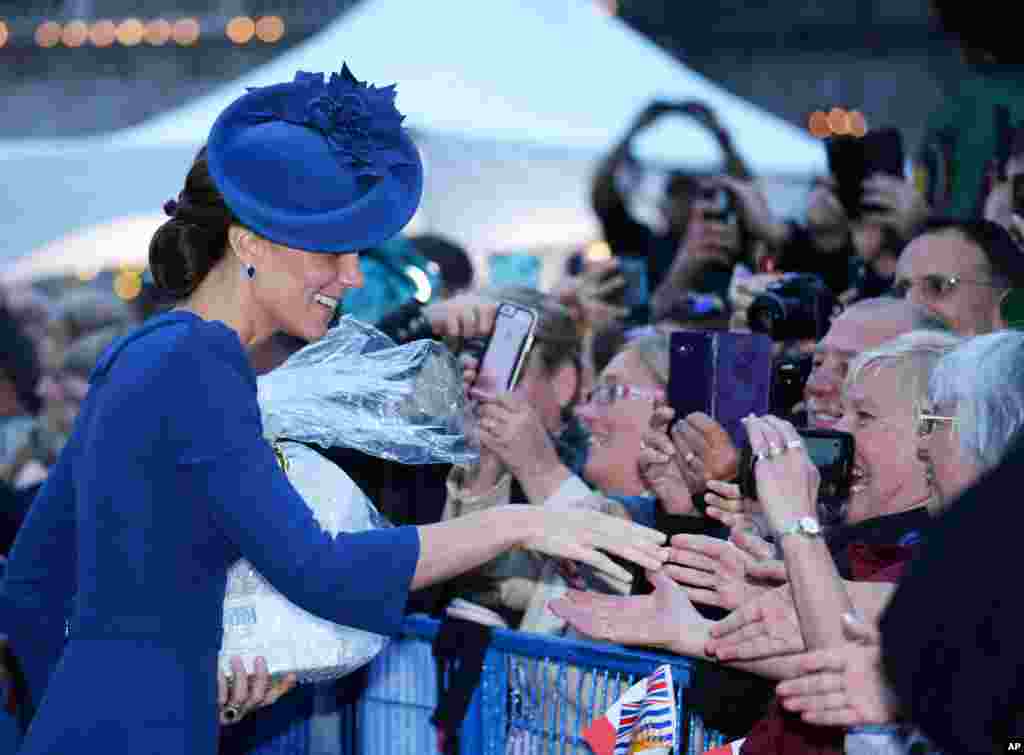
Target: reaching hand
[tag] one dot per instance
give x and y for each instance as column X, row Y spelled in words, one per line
column 712, row 571
column 842, row 686
column 705, row 450
column 242, row 693
column 463, row 316
column 660, row 466
column 766, row 626
column 582, row 534
column 663, row 619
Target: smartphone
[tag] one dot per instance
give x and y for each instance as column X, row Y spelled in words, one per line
column 831, row 451
column 506, row 351
column 513, row 270
column 851, row 160
column 724, row 375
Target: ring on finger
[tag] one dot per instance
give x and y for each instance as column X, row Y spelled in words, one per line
column 690, row 456
column 231, row 713
column 797, row 443
column 775, row 450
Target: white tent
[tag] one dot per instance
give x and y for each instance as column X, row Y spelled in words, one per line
column 511, row 101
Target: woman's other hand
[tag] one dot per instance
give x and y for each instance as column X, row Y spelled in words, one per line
column 244, row 692
column 585, row 535
column 664, row 619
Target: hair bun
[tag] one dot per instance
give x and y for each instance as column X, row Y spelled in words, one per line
column 180, row 256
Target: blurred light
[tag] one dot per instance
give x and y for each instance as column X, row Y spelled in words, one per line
column 838, row 121
column 158, row 32
column 87, row 275
column 127, row 285
column 818, row 124
column 130, row 32
column 4, row 34
column 858, row 124
column 240, row 29
column 186, row 31
column 48, row 34
column 75, row 34
column 423, row 288
column 597, row 251
column 103, row 33
column 611, row 7
column 270, row 29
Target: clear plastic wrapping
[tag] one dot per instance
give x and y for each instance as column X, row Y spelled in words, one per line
column 353, row 388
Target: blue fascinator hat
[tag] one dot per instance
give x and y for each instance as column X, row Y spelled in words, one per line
column 322, row 166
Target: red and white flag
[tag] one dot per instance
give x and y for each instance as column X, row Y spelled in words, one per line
column 642, row 721
column 729, row 748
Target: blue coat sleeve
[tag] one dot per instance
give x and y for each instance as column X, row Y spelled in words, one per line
column 360, row 580
column 39, row 584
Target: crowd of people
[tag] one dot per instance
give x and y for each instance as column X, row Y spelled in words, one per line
column 134, row 471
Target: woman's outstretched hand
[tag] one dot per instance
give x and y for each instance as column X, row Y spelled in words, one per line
column 244, row 692
column 587, row 536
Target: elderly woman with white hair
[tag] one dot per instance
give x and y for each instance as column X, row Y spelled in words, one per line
column 973, row 411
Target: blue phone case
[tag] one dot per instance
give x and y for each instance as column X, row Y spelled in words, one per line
column 724, row 375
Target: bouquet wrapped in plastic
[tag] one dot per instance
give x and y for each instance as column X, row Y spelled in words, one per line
column 352, row 388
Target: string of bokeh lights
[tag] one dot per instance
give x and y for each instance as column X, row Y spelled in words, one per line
column 131, row 32
column 837, row 122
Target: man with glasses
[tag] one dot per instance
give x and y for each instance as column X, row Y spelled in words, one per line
column 969, row 274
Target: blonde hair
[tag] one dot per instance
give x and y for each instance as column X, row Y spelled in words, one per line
column 653, row 352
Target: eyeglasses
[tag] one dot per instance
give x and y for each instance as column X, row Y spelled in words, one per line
column 926, row 420
column 935, row 286
column 607, row 394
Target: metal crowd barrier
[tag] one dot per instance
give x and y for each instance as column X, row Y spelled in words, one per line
column 536, row 695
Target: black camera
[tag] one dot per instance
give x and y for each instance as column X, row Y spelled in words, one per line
column 789, row 376
column 798, row 306
column 831, row 451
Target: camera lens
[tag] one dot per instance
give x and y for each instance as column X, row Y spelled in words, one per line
column 797, row 307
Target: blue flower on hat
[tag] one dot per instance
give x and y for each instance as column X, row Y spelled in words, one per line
column 360, row 122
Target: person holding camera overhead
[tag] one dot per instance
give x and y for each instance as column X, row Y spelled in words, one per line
column 627, row 236
column 167, row 480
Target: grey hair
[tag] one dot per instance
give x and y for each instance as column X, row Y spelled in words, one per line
column 653, row 352
column 915, row 354
column 921, row 319
column 984, row 379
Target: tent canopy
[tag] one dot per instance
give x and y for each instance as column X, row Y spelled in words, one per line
column 512, row 102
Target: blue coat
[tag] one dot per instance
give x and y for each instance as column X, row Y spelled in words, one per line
column 165, row 482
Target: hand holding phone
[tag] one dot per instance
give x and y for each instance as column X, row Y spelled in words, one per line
column 831, row 451
column 506, row 351
column 853, row 160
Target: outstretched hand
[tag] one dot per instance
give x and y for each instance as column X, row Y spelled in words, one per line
column 660, row 466
column 664, row 619
column 584, row 535
column 712, row 572
column 764, row 627
column 842, row 686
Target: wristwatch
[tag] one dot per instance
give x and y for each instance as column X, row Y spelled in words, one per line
column 805, row 525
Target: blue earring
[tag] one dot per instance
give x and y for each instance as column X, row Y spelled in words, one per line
column 250, row 271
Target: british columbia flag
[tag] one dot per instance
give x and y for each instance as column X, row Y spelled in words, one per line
column 642, row 721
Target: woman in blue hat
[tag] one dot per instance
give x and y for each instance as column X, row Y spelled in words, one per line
column 167, row 480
